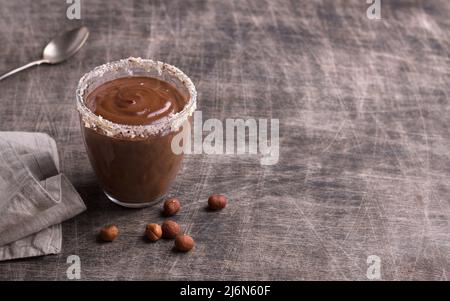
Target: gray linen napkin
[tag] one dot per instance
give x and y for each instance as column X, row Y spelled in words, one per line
column 34, row 197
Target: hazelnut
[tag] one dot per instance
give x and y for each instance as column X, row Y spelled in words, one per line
column 109, row 233
column 170, row 229
column 217, row 202
column 171, row 206
column 184, row 243
column 153, row 232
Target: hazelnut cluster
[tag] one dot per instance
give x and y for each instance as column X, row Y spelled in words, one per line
column 169, row 229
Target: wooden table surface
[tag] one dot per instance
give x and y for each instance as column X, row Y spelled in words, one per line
column 363, row 106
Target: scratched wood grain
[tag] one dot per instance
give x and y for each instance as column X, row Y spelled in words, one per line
column 363, row 106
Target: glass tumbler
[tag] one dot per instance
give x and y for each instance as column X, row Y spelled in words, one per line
column 134, row 164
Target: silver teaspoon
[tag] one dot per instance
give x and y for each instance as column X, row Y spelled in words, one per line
column 58, row 50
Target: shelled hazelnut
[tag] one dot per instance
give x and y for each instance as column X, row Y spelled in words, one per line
column 153, row 232
column 217, row 202
column 170, row 229
column 109, row 233
column 171, row 206
column 184, row 243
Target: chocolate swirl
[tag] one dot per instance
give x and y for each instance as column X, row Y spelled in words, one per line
column 135, row 100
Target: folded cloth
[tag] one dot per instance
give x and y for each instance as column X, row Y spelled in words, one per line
column 34, row 197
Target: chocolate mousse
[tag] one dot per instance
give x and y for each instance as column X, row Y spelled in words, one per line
column 134, row 169
column 135, row 100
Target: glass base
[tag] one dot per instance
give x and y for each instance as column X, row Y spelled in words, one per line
column 134, row 205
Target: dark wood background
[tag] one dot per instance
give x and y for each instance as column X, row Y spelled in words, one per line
column 363, row 106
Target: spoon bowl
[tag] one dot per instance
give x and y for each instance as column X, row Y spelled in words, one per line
column 65, row 45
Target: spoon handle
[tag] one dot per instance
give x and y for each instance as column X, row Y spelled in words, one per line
column 35, row 63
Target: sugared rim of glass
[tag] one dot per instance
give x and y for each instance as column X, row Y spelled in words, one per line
column 109, row 128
